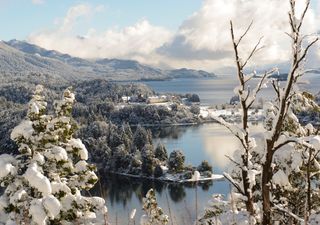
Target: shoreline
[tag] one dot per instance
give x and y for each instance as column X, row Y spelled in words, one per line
column 214, row 177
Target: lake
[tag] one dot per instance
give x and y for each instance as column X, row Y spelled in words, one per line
column 210, row 142
column 219, row 90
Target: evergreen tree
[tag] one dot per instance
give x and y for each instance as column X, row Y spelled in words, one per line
column 119, row 159
column 44, row 181
column 176, row 161
column 141, row 137
column 161, row 153
column 147, row 156
column 204, row 166
column 115, row 138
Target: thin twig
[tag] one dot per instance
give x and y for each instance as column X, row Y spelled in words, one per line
column 245, row 33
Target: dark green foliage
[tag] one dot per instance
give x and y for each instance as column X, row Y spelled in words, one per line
column 96, row 104
column 104, row 127
column 141, row 137
column 158, row 172
column 204, row 166
column 193, row 97
column 119, row 157
column 147, row 156
column 97, row 129
column 104, row 91
column 161, row 153
column 100, row 152
column 176, row 161
column 135, row 164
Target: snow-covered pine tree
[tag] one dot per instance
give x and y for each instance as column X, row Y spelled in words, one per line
column 43, row 182
column 148, row 160
column 26, row 187
column 161, row 153
column 154, row 214
column 141, row 137
column 67, row 167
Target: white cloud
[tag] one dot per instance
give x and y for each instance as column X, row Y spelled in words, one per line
column 137, row 41
column 73, row 14
column 202, row 41
column 207, row 32
column 37, row 2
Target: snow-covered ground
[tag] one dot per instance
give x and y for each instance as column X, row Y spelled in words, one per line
column 195, row 178
column 230, row 114
column 176, row 178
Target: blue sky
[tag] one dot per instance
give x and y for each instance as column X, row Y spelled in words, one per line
column 163, row 33
column 19, row 18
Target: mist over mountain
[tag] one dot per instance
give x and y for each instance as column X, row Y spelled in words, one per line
column 25, row 58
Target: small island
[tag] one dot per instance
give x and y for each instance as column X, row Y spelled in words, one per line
column 119, row 150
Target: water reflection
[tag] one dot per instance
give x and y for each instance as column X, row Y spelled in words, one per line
column 123, row 194
column 173, row 132
column 210, row 141
column 207, row 141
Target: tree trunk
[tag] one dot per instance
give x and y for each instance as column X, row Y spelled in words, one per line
column 248, row 194
column 308, row 202
column 245, row 160
column 266, row 178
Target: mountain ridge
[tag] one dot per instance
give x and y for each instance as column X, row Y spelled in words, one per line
column 33, row 58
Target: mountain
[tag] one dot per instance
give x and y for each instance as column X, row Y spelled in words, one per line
column 317, row 71
column 14, row 61
column 27, row 58
column 189, row 73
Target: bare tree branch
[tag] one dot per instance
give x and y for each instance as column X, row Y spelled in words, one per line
column 288, row 213
column 235, row 184
column 253, row 51
column 229, row 127
column 245, row 33
column 235, row 47
column 307, row 49
column 283, row 144
column 303, row 14
column 260, row 84
column 275, row 85
column 232, row 160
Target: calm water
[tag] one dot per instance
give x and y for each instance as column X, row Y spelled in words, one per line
column 220, row 89
column 208, row 141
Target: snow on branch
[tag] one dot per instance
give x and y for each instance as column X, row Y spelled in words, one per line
column 234, row 129
column 281, row 208
column 234, row 183
column 250, row 100
column 312, row 143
